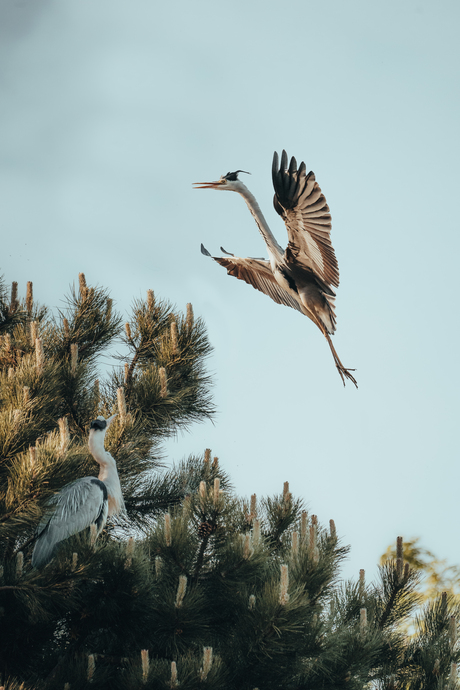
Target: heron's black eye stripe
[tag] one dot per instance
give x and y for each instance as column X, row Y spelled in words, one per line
column 98, row 424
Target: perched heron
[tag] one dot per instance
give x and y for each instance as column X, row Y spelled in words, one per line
column 302, row 276
column 82, row 503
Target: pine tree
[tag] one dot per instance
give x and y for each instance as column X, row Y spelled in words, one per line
column 194, row 587
column 438, row 575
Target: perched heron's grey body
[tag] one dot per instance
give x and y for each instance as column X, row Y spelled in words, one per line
column 302, row 275
column 82, row 503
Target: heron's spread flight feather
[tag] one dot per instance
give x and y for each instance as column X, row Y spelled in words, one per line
column 302, row 205
column 256, row 272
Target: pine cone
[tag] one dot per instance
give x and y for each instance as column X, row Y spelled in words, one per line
column 205, row 529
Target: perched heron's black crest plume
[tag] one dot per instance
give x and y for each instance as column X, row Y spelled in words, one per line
column 233, row 176
column 98, row 424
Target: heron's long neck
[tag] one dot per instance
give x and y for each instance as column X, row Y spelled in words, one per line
column 108, row 472
column 272, row 245
column 109, row 475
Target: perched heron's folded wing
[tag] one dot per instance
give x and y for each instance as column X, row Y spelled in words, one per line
column 77, row 506
column 255, row 272
column 302, row 205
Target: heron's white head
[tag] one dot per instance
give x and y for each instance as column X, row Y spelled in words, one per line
column 96, row 439
column 228, row 182
column 101, row 423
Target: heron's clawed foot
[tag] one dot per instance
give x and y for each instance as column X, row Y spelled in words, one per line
column 346, row 373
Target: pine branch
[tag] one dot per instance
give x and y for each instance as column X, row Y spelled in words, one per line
column 200, row 556
column 399, row 596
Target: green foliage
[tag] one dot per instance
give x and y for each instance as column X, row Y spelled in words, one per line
column 194, row 587
column 49, row 372
column 437, row 575
column 206, row 576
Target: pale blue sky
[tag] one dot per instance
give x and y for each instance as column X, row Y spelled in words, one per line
column 110, row 110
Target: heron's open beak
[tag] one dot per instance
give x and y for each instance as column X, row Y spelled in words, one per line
column 209, row 185
column 109, row 420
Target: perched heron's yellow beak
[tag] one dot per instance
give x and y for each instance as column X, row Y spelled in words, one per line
column 209, row 185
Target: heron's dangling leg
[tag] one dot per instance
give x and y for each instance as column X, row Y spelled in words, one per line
column 340, row 368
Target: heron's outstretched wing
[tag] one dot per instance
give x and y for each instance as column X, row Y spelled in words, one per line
column 255, row 272
column 302, row 205
column 77, row 506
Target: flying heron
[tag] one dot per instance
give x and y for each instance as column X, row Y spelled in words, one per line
column 302, row 276
column 82, row 503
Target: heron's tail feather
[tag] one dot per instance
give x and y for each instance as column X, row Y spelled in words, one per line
column 330, row 301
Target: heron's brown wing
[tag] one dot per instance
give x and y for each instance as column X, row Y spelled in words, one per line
column 255, row 272
column 302, row 205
